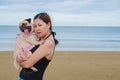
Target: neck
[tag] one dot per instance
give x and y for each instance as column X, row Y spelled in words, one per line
column 48, row 35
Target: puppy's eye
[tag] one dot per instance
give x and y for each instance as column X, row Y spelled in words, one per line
column 24, row 24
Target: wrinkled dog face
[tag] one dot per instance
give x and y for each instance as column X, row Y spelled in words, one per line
column 25, row 25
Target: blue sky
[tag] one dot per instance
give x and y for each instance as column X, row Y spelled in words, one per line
column 63, row 12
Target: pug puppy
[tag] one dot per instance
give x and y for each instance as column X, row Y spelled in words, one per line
column 25, row 41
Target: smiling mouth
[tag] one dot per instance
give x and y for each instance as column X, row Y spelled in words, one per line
column 38, row 32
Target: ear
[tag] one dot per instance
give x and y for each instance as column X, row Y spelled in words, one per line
column 29, row 20
column 49, row 24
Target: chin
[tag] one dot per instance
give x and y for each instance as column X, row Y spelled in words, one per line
column 38, row 36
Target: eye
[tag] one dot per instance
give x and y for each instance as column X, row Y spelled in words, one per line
column 39, row 25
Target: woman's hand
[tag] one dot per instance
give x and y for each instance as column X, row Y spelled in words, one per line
column 19, row 59
column 23, row 55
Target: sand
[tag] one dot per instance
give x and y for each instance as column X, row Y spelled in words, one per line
column 66, row 65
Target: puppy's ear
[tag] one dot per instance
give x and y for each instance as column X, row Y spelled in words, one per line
column 29, row 20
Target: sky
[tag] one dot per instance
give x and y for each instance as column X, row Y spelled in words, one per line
column 62, row 12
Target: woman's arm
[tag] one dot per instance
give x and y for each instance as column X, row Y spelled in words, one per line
column 43, row 51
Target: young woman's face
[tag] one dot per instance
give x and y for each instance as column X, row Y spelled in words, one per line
column 41, row 28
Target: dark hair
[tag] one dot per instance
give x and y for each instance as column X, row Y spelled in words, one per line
column 46, row 18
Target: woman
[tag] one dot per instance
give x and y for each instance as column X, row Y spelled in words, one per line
column 42, row 54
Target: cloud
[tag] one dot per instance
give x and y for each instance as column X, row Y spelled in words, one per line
column 63, row 12
column 61, row 6
column 94, row 19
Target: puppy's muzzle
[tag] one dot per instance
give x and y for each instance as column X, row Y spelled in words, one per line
column 24, row 27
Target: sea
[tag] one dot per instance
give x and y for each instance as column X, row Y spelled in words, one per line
column 71, row 38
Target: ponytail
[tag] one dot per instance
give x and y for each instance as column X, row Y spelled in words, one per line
column 56, row 41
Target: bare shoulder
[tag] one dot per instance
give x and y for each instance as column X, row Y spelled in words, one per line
column 50, row 46
column 49, row 43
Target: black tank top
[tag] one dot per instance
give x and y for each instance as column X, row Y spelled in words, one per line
column 40, row 65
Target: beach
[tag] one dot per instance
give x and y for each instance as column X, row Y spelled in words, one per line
column 71, row 65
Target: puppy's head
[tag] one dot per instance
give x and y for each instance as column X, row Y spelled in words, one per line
column 25, row 25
